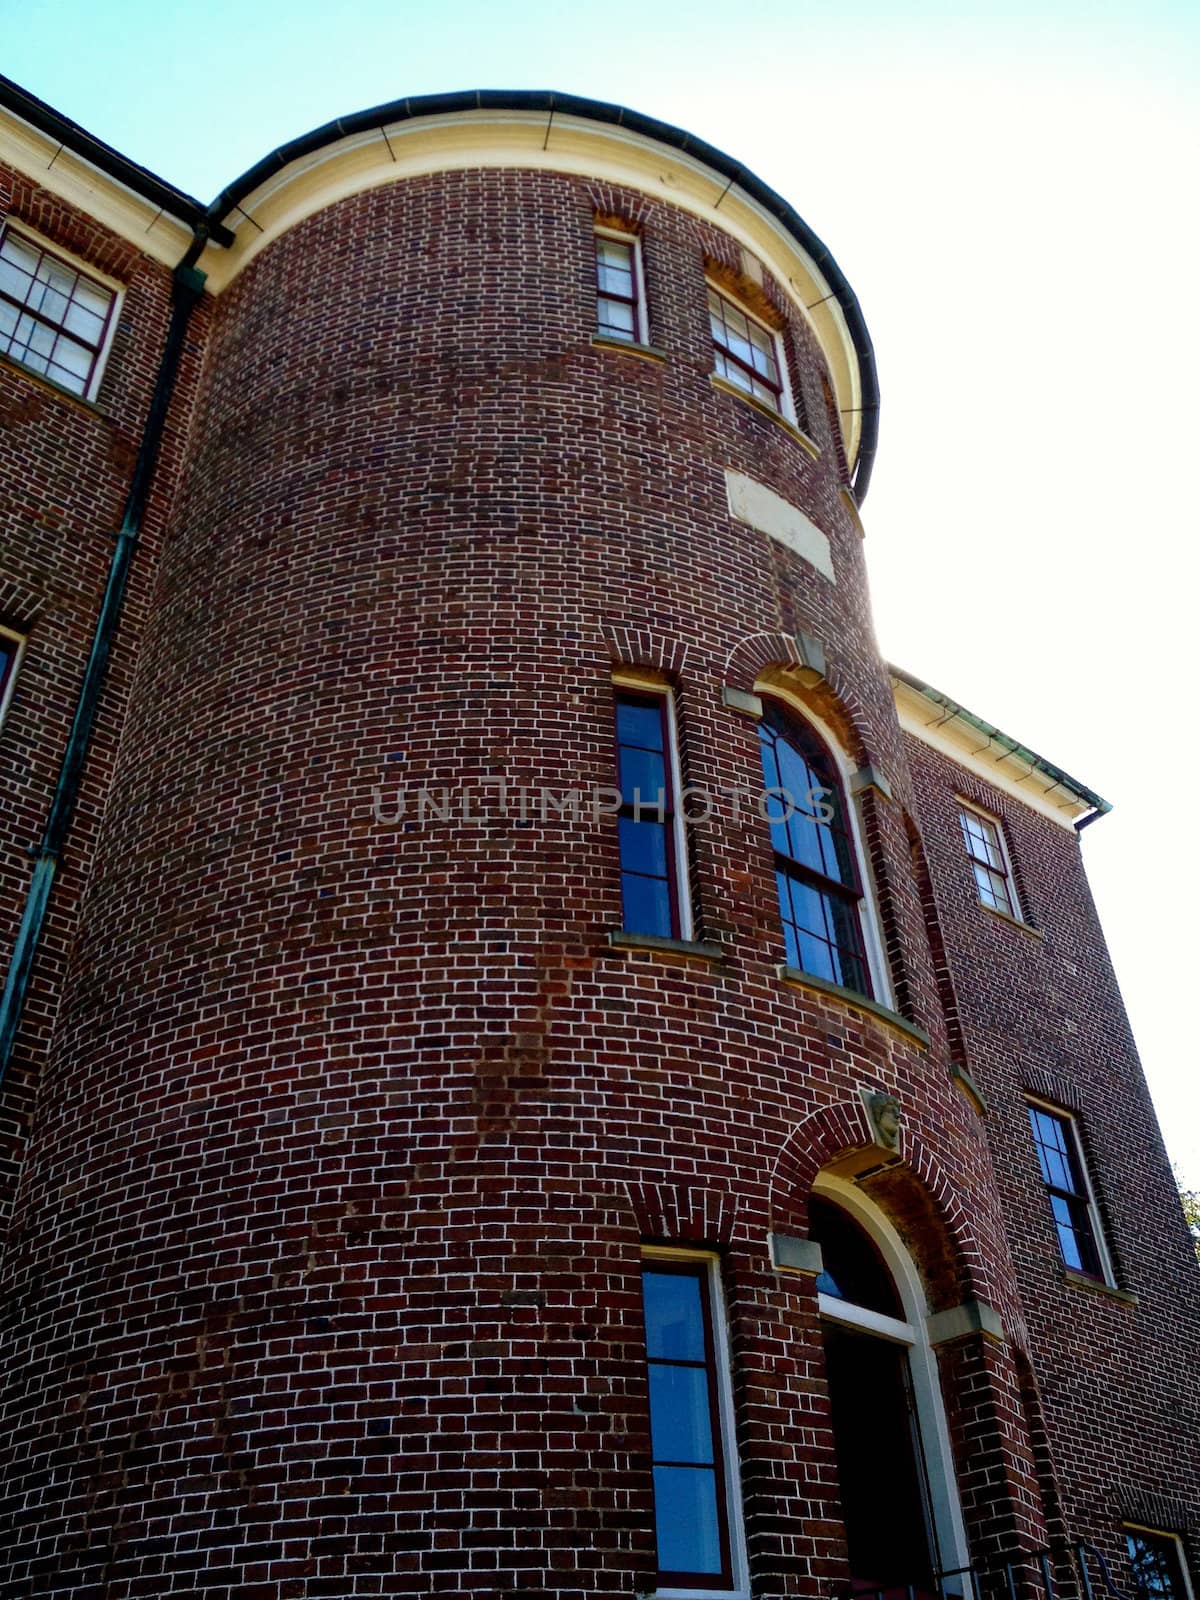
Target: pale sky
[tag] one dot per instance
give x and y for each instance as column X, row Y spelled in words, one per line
column 1011, row 190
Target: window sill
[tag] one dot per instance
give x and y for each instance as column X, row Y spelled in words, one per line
column 653, row 942
column 629, row 347
column 1015, row 922
column 1080, row 1280
column 858, row 1002
column 725, row 387
column 40, row 381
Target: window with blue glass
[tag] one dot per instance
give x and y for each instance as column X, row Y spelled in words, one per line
column 1056, row 1141
column 693, row 1478
column 816, row 873
column 1157, row 1564
column 647, row 822
column 10, row 654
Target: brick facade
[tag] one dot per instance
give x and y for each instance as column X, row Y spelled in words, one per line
column 323, row 1270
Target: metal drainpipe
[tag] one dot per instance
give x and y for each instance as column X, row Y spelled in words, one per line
column 186, row 289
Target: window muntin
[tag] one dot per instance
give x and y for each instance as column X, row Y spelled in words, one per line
column 54, row 319
column 746, row 352
column 1056, row 1141
column 620, row 307
column 1157, row 1564
column 11, row 646
column 989, row 861
column 697, row 1526
column 816, row 873
column 649, row 827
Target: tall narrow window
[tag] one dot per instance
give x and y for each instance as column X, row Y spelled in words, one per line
column 11, row 645
column 1056, row 1140
column 696, row 1519
column 816, row 873
column 53, row 319
column 745, row 351
column 620, row 303
column 1157, row 1563
column 649, row 826
column 989, row 861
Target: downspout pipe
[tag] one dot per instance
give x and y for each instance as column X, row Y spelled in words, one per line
column 186, row 289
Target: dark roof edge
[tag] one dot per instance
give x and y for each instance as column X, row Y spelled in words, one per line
column 552, row 103
column 74, row 138
column 1064, row 780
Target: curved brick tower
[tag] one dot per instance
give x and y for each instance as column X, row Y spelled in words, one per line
column 390, row 1062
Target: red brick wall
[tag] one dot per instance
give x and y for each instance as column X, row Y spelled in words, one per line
column 325, row 1271
column 64, row 471
column 1042, row 1015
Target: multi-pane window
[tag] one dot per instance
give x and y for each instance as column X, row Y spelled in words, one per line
column 10, row 654
column 53, row 319
column 1157, row 1564
column 816, row 873
column 648, row 822
column 695, row 1484
column 989, row 861
column 745, row 352
column 1057, row 1143
column 619, row 306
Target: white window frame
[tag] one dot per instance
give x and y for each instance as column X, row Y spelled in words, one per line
column 787, row 404
column 1072, row 1121
column 718, row 1319
column 85, row 270
column 1016, row 914
column 683, row 897
column 873, row 946
column 6, row 693
column 642, row 330
column 922, row 1360
column 1189, row 1592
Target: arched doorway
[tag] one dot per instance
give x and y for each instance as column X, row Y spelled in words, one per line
column 904, row 1530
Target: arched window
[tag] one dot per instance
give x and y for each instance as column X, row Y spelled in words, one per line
column 816, row 871
column 900, row 1508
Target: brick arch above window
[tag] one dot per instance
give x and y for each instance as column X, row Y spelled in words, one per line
column 912, row 1190
column 646, row 647
column 683, row 1213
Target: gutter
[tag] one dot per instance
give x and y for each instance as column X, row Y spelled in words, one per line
column 187, row 288
column 1010, row 746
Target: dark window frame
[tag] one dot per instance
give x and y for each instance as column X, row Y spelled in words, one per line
column 983, row 863
column 723, row 354
column 1078, row 1201
column 1157, row 1540
column 850, row 893
column 10, row 661
column 635, row 301
column 701, row 1269
column 56, row 373
column 660, row 699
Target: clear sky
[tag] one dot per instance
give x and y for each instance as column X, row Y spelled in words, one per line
column 1010, row 188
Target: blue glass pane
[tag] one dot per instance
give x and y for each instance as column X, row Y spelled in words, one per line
column 643, row 771
column 674, row 1317
column 1067, row 1242
column 685, row 1520
column 639, row 724
column 643, row 847
column 817, row 957
column 646, row 906
column 680, row 1429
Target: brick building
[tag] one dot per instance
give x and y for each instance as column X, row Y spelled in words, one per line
column 534, row 1062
